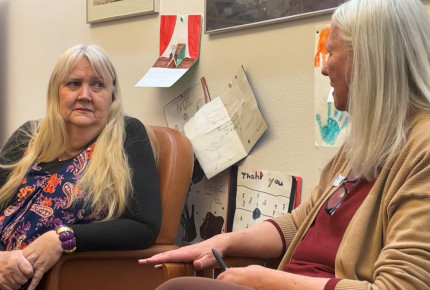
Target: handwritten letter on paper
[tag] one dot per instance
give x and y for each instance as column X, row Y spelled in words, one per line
column 261, row 194
column 224, row 130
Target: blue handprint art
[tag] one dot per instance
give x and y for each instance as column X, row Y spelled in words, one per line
column 335, row 124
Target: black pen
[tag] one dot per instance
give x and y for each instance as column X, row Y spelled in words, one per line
column 219, row 260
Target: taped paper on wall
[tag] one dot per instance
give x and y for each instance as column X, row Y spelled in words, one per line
column 183, row 107
column 236, row 198
column 205, row 210
column 259, row 195
column 224, row 130
column 179, row 50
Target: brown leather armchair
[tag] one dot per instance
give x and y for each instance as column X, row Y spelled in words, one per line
column 120, row 269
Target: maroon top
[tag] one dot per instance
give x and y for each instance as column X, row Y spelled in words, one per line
column 315, row 254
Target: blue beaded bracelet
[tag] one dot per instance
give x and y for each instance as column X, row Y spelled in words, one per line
column 67, row 238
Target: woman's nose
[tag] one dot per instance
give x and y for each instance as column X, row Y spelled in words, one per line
column 85, row 92
column 324, row 69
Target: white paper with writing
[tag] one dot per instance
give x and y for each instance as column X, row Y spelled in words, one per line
column 183, row 107
column 211, row 116
column 225, row 130
column 261, row 194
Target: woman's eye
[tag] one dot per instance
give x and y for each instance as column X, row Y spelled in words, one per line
column 73, row 85
column 98, row 85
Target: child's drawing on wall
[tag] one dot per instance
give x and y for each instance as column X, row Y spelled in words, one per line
column 205, row 211
column 216, row 146
column 330, row 124
column 179, row 50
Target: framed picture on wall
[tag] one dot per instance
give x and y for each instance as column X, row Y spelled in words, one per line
column 104, row 10
column 226, row 15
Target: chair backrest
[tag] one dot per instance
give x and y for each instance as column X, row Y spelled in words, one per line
column 175, row 167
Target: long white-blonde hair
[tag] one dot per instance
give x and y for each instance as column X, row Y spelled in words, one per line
column 107, row 179
column 389, row 42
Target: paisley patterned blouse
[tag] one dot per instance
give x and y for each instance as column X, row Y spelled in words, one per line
column 45, row 200
column 136, row 228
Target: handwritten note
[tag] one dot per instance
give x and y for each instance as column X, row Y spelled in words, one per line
column 183, row 107
column 235, row 199
column 211, row 116
column 225, row 130
column 261, row 194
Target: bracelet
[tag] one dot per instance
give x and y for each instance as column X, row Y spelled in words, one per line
column 67, row 238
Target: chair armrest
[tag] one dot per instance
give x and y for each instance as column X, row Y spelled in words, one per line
column 105, row 270
column 174, row 270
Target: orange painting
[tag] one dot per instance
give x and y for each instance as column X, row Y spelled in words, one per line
column 321, row 52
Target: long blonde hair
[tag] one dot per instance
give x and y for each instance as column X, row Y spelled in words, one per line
column 107, row 179
column 389, row 41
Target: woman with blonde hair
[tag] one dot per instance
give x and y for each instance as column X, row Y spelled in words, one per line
column 83, row 178
column 366, row 224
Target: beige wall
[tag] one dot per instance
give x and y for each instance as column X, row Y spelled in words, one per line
column 278, row 59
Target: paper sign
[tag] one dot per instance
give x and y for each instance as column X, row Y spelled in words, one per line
column 179, row 50
column 211, row 116
column 261, row 194
column 205, row 209
column 234, row 199
column 224, row 130
column 183, row 107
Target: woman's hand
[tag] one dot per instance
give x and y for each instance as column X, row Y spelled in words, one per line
column 199, row 254
column 260, row 241
column 15, row 270
column 43, row 253
column 258, row 277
